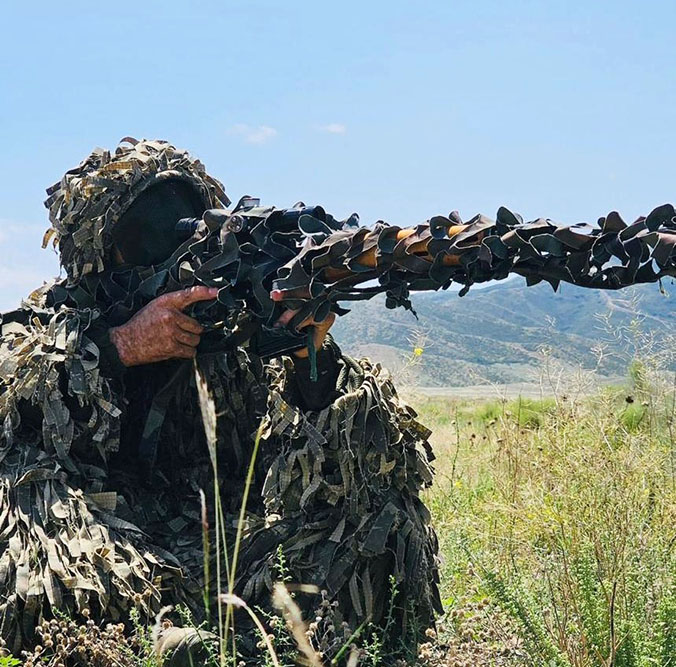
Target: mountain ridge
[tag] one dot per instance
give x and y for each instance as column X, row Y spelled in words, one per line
column 499, row 333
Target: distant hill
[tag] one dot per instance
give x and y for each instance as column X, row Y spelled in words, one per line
column 498, row 333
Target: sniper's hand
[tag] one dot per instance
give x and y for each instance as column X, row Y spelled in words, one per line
column 320, row 329
column 161, row 330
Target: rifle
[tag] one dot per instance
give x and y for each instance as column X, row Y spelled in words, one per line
column 265, row 260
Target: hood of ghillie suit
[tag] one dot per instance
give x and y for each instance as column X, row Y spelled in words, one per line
column 89, row 201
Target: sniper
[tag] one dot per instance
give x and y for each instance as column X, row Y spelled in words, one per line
column 109, row 479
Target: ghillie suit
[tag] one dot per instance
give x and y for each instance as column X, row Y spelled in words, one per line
column 101, row 467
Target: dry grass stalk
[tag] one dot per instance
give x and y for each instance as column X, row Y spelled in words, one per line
column 292, row 615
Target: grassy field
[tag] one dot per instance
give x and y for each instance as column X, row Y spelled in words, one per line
column 556, row 519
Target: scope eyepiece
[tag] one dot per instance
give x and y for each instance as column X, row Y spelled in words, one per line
column 186, row 227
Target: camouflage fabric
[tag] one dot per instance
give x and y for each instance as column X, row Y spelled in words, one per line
column 445, row 250
column 61, row 424
column 342, row 495
column 88, row 201
column 101, row 470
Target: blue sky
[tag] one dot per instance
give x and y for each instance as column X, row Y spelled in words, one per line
column 396, row 110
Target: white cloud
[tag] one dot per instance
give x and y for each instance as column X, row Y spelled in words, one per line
column 259, row 134
column 334, row 128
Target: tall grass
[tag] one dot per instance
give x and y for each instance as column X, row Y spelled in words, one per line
column 564, row 513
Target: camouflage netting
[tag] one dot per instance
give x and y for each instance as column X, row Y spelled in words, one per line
column 343, row 489
column 89, row 200
column 611, row 255
column 61, row 424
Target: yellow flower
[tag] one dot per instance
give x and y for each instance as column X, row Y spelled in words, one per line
column 417, row 351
